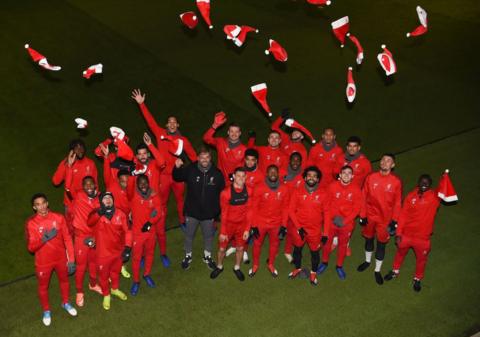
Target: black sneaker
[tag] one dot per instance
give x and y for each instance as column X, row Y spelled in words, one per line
column 417, row 285
column 209, row 261
column 238, row 273
column 378, row 278
column 363, row 266
column 217, row 271
column 390, row 276
column 186, row 262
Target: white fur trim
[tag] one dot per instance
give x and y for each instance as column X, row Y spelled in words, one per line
column 258, row 87
column 340, row 22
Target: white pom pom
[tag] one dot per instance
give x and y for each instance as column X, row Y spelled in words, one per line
column 350, row 68
column 348, row 34
column 210, row 27
column 447, row 170
column 256, row 30
column 267, row 52
column 383, row 46
column 84, row 72
column 194, row 17
column 27, row 46
column 408, row 34
column 341, row 46
column 313, row 141
column 270, row 114
column 328, row 3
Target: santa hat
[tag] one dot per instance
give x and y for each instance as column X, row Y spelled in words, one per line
column 278, row 52
column 259, row 91
column 81, row 123
column 95, row 69
column 359, row 48
column 445, row 189
column 319, row 2
column 123, row 150
column 290, row 122
column 232, row 31
column 40, row 59
column 117, row 132
column 422, row 29
column 386, row 61
column 139, row 169
column 351, row 87
column 340, row 29
column 175, row 145
column 189, row 19
column 240, row 38
column 204, row 8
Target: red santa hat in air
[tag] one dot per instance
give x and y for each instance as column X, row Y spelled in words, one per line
column 445, row 188
column 232, row 31
column 240, row 38
column 351, row 90
column 40, row 59
column 290, row 122
column 259, row 91
column 119, row 139
column 189, row 19
column 422, row 28
column 278, row 52
column 204, row 8
column 355, row 41
column 94, row 69
column 340, row 29
column 319, row 2
column 81, row 123
column 386, row 61
column 175, row 145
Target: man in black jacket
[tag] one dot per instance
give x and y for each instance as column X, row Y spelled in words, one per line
column 204, row 183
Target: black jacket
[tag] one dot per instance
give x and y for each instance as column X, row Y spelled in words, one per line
column 203, row 190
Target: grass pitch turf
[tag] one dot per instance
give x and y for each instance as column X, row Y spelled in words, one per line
column 193, row 75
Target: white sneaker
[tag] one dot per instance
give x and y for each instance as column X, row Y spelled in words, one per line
column 230, row 251
column 70, row 309
column 289, row 258
column 245, row 258
column 47, row 318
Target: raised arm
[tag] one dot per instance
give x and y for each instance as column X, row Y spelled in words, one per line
column 219, row 119
column 151, row 122
column 159, row 159
column 179, row 172
column 59, row 175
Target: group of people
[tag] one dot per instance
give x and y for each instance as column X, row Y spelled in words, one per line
column 280, row 190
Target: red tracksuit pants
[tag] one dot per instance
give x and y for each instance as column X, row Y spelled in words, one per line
column 343, row 236
column 288, row 249
column 44, row 274
column 167, row 184
column 109, row 268
column 274, row 243
column 421, row 248
column 143, row 245
column 84, row 257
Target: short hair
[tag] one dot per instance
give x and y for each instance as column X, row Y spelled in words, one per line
column 38, row 195
column 426, row 176
column 251, row 152
column 272, row 166
column 346, row 167
column 240, row 169
column 87, row 178
column 328, row 128
column 354, row 139
column 143, row 177
column 273, row 131
column 296, row 154
column 141, row 146
column 76, row 142
column 204, row 149
column 389, row 154
column 235, row 125
column 312, row 168
column 122, row 173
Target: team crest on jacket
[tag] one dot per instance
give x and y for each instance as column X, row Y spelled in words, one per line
column 375, row 185
column 337, row 195
column 211, row 182
column 414, row 201
column 349, row 196
column 388, row 188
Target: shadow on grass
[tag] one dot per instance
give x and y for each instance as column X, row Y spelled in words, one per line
column 46, row 74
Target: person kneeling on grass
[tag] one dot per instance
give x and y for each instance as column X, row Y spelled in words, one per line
column 235, row 204
column 113, row 242
column 48, row 239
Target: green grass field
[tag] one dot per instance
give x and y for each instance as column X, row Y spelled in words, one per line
column 195, row 74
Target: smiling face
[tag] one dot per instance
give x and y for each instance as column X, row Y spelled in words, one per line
column 424, row 183
column 296, row 136
column 79, row 151
column 143, row 184
column 172, row 124
column 40, row 205
column 274, row 139
column 89, row 186
column 123, row 181
column 204, row 159
column 239, row 178
column 142, row 156
column 272, row 174
column 328, row 136
column 250, row 161
column 346, row 176
column 234, row 134
column 312, row 178
column 387, row 163
column 295, row 161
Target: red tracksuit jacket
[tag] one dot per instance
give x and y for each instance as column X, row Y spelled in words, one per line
column 267, row 156
column 309, row 210
column 163, row 150
column 418, row 214
column 383, row 198
column 120, row 195
column 111, row 236
column 82, row 206
column 326, row 161
column 345, row 201
column 228, row 159
column 80, row 169
column 254, row 178
column 144, row 209
column 235, row 214
column 287, row 145
column 54, row 250
column 361, row 168
column 270, row 207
